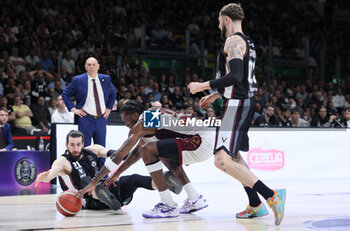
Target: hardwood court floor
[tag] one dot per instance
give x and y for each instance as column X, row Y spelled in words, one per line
column 321, row 205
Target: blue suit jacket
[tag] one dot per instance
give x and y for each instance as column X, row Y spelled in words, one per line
column 7, row 137
column 79, row 88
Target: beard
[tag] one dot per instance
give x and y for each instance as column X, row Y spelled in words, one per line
column 223, row 32
column 74, row 157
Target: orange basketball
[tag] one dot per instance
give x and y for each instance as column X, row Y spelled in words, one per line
column 68, row 204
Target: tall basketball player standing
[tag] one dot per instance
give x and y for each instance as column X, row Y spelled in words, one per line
column 236, row 82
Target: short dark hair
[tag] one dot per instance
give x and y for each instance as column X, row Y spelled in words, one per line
column 186, row 106
column 75, row 134
column 269, row 105
column 295, row 110
column 4, row 109
column 131, row 107
column 347, row 109
column 233, row 10
column 285, row 107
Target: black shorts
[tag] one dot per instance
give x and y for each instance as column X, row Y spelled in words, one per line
column 232, row 135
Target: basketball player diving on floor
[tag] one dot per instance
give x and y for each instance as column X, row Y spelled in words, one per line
column 235, row 81
column 169, row 145
column 78, row 165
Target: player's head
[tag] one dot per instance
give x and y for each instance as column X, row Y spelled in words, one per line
column 130, row 112
column 229, row 13
column 75, row 144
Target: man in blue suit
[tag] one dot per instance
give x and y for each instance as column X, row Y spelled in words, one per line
column 6, row 142
column 94, row 95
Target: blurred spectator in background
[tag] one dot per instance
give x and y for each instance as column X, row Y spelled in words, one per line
column 268, row 119
column 52, row 105
column 322, row 119
column 284, row 119
column 6, row 142
column 45, row 62
column 157, row 96
column 156, row 104
column 188, row 110
column 33, row 61
column 339, row 100
column 306, row 115
column 176, row 97
column 210, row 113
column 258, row 111
column 42, row 116
column 342, row 122
column 296, row 120
column 39, row 86
column 68, row 63
column 347, row 101
column 61, row 114
column 23, row 115
column 3, row 104
column 17, row 61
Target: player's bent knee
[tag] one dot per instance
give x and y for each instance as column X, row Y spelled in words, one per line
column 148, row 151
column 219, row 159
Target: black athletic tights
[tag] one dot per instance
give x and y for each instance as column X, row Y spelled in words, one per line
column 129, row 184
column 126, row 186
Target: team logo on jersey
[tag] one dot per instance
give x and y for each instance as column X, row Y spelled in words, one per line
column 151, row 118
column 25, row 171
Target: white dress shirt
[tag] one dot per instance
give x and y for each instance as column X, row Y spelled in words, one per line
column 90, row 105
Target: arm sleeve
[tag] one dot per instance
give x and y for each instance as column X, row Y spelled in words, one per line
column 234, row 76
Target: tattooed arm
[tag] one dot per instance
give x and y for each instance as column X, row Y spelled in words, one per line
column 235, row 47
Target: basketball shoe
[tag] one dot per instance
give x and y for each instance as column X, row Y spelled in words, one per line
column 172, row 182
column 277, row 203
column 251, row 212
column 190, row 207
column 106, row 197
column 162, row 210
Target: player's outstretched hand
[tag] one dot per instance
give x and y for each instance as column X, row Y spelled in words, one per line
column 42, row 177
column 111, row 180
column 88, row 189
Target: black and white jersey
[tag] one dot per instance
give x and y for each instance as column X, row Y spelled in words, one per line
column 87, row 166
column 248, row 86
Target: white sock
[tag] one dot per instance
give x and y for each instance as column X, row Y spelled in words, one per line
column 166, row 198
column 192, row 194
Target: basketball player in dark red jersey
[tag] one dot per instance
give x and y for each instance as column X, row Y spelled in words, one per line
column 174, row 146
column 235, row 81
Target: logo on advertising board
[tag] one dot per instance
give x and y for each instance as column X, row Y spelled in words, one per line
column 267, row 160
column 25, row 171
